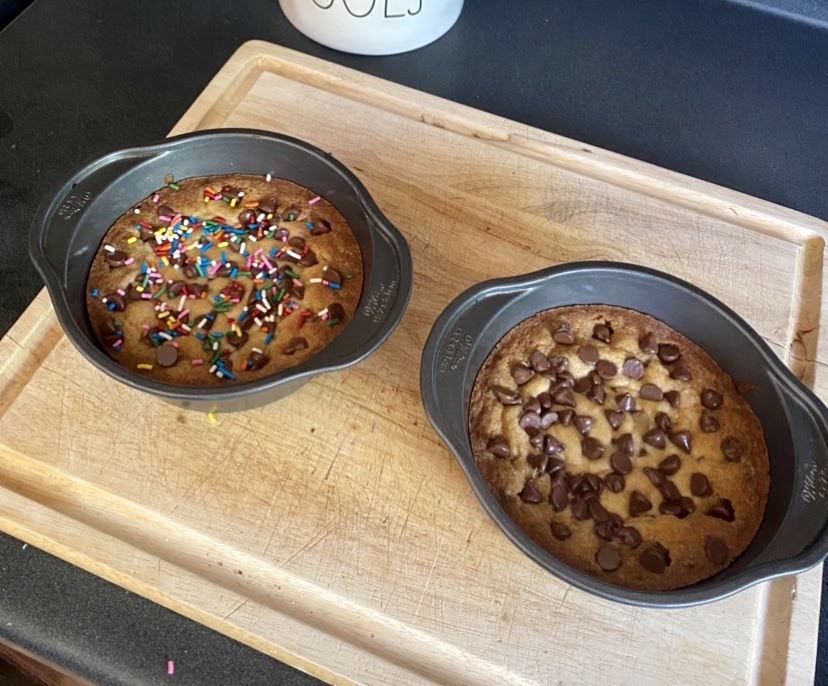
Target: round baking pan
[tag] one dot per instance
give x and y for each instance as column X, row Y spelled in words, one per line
column 70, row 224
column 793, row 535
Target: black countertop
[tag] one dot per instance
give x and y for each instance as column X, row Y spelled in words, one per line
column 732, row 92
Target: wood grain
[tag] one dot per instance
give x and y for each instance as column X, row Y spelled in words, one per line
column 333, row 530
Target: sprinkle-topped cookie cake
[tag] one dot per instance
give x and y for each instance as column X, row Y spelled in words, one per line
column 619, row 446
column 223, row 279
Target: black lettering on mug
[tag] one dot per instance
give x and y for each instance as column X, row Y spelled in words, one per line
column 359, row 16
column 323, row 7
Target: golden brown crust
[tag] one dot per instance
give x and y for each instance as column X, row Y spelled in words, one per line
column 336, row 249
column 744, row 482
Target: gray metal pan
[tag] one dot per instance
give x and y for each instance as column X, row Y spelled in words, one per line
column 794, row 533
column 71, row 223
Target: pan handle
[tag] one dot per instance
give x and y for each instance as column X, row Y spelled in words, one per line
column 804, row 532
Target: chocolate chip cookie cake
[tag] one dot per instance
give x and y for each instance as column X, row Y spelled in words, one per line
column 223, row 279
column 619, row 446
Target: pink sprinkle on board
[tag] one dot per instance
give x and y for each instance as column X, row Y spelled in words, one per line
column 170, row 667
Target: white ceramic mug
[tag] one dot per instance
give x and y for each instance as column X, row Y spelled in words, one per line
column 373, row 27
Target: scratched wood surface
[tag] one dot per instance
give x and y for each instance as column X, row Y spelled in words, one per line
column 333, row 530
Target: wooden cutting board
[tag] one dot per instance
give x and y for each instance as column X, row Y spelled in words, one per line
column 333, row 530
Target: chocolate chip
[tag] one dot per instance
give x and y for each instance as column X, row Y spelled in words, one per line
column 506, row 395
column 559, row 364
column 116, row 258
column 537, row 462
column 655, row 438
column 583, row 385
column 560, row 531
column 655, row 476
column 565, row 417
column 499, row 447
column 625, row 444
column 602, row 332
column 591, row 448
column 226, row 269
column 166, row 355
column 247, row 217
column 681, row 439
column 670, row 491
column 563, row 335
column 662, row 421
column 699, row 485
column 530, row 422
column 583, row 423
column 545, row 400
column 268, row 205
column 554, row 465
column 296, row 344
column 625, row 402
column 566, row 379
column 673, row 398
column 593, row 483
column 632, row 368
column 117, row 300
column 166, row 211
column 552, row 446
column 597, row 511
column 668, row 353
column 175, row 288
column 564, row 396
column 132, row 293
column 309, row 259
column 530, row 493
column 320, row 227
column 680, row 372
column 614, row 417
column 687, row 506
column 538, row 361
column 648, row 344
column 615, row 482
column 299, row 243
column 606, row 369
column 732, row 449
column 716, row 550
column 536, row 440
column 639, row 504
column 109, row 331
column 708, row 423
column 628, row 536
column 297, row 291
column 655, row 559
column 548, row 419
column 522, row 374
column 711, row 399
column 605, row 529
column 257, row 361
column 597, row 394
column 650, row 391
column 146, row 234
column 620, row 463
column 559, row 498
column 670, row 465
column 532, row 405
column 235, row 339
column 579, row 508
column 588, row 354
column 723, row 510
column 608, row 558
column 670, row 507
